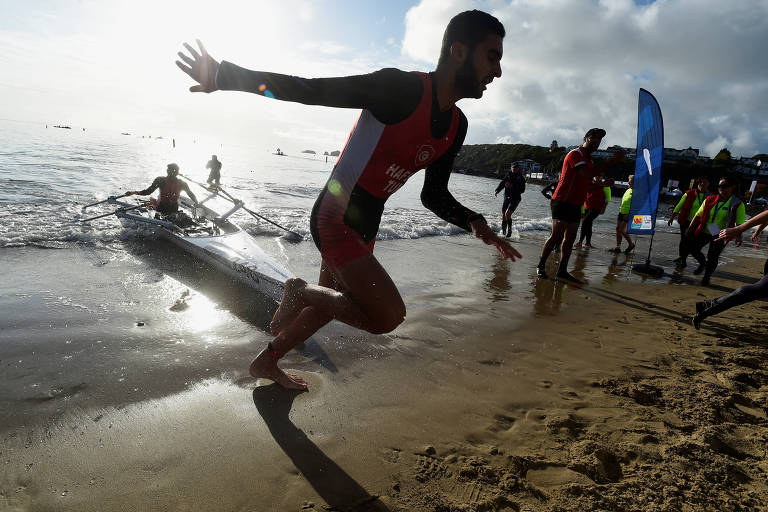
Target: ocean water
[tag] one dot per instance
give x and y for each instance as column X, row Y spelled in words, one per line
column 47, row 174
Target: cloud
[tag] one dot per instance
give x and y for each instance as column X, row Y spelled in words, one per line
column 570, row 65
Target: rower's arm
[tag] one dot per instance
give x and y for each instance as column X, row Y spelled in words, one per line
column 390, row 94
column 147, row 191
column 185, row 188
column 435, row 195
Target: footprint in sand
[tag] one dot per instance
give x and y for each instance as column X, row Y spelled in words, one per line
column 428, row 468
column 501, row 423
column 391, row 455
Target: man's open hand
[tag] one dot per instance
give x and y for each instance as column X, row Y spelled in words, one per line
column 200, row 66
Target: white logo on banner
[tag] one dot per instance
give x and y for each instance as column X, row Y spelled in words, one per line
column 647, row 157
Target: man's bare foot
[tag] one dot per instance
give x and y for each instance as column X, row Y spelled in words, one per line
column 290, row 305
column 265, row 367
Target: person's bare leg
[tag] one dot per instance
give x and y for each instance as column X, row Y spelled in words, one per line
column 369, row 301
column 289, row 306
column 555, row 238
column 624, row 233
column 618, row 236
column 567, row 246
column 309, row 320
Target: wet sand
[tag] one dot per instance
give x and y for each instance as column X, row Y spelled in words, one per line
column 499, row 392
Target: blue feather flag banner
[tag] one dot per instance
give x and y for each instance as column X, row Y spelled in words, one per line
column 650, row 153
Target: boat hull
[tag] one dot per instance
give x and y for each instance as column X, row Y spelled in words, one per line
column 236, row 253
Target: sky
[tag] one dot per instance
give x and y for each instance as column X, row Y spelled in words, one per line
column 568, row 65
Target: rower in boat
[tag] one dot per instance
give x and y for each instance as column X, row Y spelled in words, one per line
column 170, row 189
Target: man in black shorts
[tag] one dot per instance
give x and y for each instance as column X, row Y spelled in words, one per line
column 575, row 178
column 513, row 185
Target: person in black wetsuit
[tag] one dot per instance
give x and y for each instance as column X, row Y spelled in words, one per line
column 409, row 122
column 215, row 175
column 170, row 189
column 514, row 186
column 745, row 294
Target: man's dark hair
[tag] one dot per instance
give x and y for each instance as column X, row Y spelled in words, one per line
column 730, row 180
column 700, row 179
column 469, row 27
column 594, row 132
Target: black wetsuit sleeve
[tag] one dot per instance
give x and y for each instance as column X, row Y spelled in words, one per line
column 435, row 195
column 501, row 186
column 154, row 186
column 390, row 94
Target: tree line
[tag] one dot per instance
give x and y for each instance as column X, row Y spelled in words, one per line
column 492, row 160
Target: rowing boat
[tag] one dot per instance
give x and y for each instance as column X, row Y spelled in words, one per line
column 213, row 238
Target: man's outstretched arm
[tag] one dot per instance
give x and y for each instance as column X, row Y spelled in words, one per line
column 147, row 191
column 390, row 94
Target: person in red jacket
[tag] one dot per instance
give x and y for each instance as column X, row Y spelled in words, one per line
column 594, row 206
column 685, row 210
column 575, row 178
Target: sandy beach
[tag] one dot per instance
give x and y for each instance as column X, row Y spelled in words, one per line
column 499, row 392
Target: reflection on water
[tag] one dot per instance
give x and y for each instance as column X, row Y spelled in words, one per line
column 548, row 295
column 497, row 284
column 617, row 265
column 579, row 264
column 219, row 293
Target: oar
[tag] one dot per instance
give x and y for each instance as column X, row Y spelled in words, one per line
column 110, row 198
column 206, row 187
column 227, row 195
column 112, row 213
column 294, row 235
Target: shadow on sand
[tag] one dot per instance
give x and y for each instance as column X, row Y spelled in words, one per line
column 331, row 482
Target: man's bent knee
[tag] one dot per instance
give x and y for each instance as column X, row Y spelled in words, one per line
column 387, row 323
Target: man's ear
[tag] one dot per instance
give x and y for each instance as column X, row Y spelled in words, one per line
column 459, row 52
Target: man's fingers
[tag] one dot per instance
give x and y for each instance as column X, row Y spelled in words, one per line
column 192, row 51
column 184, row 68
column 196, row 88
column 186, row 59
column 202, row 48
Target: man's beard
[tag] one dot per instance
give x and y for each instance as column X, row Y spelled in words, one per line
column 466, row 80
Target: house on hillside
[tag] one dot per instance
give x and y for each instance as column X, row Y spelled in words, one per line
column 527, row 166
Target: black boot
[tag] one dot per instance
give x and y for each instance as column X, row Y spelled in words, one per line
column 701, row 313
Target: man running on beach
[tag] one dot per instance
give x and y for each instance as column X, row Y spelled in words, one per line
column 409, row 122
column 513, row 185
column 575, row 179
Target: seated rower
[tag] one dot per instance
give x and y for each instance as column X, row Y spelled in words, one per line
column 170, row 189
